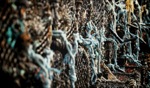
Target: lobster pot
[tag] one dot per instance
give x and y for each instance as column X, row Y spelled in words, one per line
column 60, row 80
column 16, row 70
column 83, row 69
